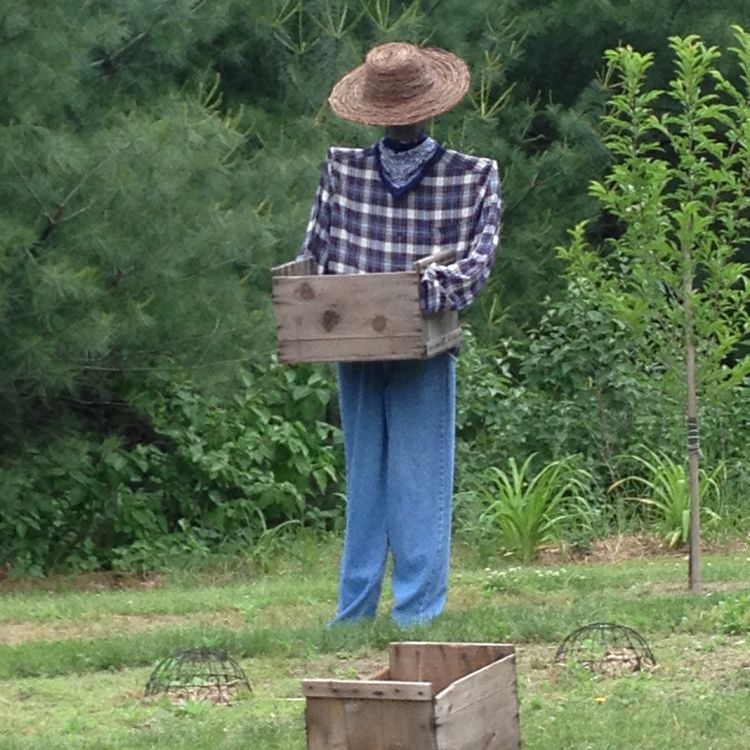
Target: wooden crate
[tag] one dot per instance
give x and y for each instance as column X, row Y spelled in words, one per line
column 356, row 317
column 432, row 696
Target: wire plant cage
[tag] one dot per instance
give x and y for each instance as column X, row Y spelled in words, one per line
column 607, row 649
column 198, row 674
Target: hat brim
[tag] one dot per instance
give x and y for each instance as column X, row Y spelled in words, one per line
column 450, row 82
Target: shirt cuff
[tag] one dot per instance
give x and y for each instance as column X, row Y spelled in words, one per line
column 432, row 296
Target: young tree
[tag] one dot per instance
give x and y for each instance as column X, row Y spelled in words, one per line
column 679, row 189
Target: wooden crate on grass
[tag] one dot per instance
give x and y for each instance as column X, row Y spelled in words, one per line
column 356, row 317
column 432, row 696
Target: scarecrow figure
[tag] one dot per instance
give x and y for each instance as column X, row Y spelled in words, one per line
column 379, row 209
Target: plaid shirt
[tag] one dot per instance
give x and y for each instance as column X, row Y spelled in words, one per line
column 358, row 226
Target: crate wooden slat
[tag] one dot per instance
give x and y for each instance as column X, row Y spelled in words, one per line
column 355, row 317
column 442, row 663
column 432, row 696
column 401, row 690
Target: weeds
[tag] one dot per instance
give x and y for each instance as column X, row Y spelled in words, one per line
column 733, row 615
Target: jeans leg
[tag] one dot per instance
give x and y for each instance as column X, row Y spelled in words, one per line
column 420, row 415
column 365, row 541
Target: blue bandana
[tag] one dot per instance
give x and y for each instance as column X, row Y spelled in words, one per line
column 402, row 165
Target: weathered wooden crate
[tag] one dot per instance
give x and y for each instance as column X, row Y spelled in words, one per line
column 432, row 696
column 356, row 317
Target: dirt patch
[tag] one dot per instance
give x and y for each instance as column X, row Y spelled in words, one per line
column 16, row 632
column 615, row 549
column 105, row 580
column 340, row 667
column 669, row 588
column 713, row 660
column 717, row 660
column 610, row 549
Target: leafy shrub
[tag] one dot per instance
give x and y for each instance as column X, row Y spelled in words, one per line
column 215, row 469
column 66, row 503
column 569, row 387
column 573, row 386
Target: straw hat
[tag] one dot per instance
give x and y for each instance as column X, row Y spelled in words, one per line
column 400, row 84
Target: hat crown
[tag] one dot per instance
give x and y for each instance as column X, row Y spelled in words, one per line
column 400, row 84
column 396, row 71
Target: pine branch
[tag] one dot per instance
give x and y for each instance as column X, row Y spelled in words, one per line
column 108, row 63
column 28, row 186
column 532, row 186
column 433, row 8
column 58, row 217
column 258, row 357
column 98, row 402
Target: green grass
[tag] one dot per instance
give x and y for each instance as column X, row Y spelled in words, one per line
column 75, row 674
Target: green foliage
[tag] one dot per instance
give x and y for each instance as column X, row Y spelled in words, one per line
column 587, row 396
column 157, row 158
column 213, row 472
column 733, row 615
column 667, row 485
column 525, row 510
column 127, row 239
column 571, row 386
column 574, row 387
column 679, row 188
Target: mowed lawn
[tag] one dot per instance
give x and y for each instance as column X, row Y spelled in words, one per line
column 74, row 660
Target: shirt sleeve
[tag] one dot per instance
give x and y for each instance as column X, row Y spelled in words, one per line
column 315, row 244
column 455, row 285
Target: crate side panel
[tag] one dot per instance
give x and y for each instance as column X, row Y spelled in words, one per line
column 333, row 307
column 390, row 725
column 381, row 674
column 441, row 332
column 442, row 663
column 351, row 349
column 440, row 324
column 439, row 345
column 325, row 724
column 351, row 724
column 480, row 710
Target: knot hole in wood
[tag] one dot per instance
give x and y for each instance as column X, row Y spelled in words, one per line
column 379, row 323
column 306, row 291
column 330, row 319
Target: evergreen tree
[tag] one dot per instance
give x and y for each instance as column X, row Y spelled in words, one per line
column 128, row 240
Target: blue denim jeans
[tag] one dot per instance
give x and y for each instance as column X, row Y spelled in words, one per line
column 399, row 430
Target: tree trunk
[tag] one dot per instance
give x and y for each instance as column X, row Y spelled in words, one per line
column 693, row 445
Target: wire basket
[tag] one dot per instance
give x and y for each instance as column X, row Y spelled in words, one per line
column 203, row 674
column 606, row 648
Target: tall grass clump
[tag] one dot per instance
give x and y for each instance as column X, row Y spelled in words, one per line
column 525, row 510
column 664, row 483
